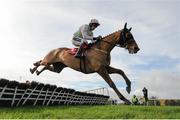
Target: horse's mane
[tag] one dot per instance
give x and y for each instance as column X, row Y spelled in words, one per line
column 90, row 45
column 110, row 34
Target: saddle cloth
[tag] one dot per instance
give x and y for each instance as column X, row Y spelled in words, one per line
column 73, row 51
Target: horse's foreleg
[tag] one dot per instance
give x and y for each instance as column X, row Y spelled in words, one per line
column 104, row 74
column 112, row 70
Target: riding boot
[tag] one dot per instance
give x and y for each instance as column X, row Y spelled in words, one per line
column 79, row 52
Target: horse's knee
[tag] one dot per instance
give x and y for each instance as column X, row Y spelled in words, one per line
column 121, row 72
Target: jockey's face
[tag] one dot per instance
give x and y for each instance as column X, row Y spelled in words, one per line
column 93, row 26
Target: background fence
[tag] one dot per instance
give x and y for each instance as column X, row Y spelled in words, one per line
column 13, row 93
column 164, row 102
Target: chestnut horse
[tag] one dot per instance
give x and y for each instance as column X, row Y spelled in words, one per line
column 97, row 59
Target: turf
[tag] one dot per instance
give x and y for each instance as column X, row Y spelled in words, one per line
column 89, row 112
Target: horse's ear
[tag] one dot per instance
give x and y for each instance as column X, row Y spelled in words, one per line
column 130, row 29
column 125, row 25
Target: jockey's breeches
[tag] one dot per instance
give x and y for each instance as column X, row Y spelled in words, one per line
column 78, row 41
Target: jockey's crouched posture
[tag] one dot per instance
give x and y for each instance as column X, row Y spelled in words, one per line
column 81, row 37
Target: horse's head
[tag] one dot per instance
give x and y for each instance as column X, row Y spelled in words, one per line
column 126, row 40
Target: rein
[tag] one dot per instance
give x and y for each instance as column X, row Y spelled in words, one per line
column 118, row 44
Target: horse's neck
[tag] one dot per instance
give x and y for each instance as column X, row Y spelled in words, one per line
column 108, row 42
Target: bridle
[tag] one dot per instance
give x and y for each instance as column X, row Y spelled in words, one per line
column 122, row 39
column 121, row 42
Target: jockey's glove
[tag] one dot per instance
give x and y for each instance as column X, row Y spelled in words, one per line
column 97, row 38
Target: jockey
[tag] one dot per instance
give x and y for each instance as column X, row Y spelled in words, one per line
column 81, row 37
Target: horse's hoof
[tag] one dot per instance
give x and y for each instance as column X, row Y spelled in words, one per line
column 128, row 89
column 35, row 64
column 37, row 72
column 31, row 70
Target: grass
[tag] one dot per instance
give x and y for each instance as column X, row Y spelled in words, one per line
column 96, row 112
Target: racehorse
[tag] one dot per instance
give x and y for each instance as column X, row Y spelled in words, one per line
column 97, row 59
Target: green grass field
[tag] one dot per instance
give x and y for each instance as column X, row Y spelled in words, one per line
column 96, row 112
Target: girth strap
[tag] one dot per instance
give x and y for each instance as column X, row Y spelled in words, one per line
column 83, row 64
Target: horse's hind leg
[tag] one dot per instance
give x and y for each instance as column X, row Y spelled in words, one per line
column 55, row 67
column 32, row 70
column 58, row 67
column 44, row 68
column 36, row 65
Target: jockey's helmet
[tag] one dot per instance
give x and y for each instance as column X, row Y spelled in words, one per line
column 94, row 21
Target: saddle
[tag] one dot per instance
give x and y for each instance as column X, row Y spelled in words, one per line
column 73, row 51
